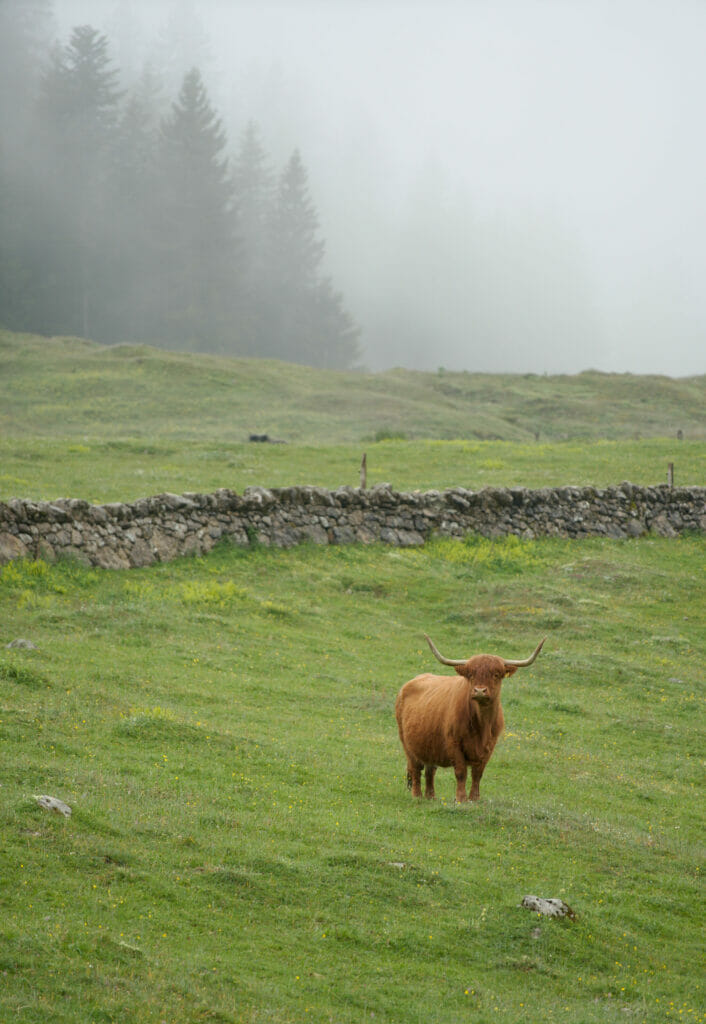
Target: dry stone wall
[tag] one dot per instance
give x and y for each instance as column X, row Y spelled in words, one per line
column 160, row 528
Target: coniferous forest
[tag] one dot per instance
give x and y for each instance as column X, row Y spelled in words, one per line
column 129, row 215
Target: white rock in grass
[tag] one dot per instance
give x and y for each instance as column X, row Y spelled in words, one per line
column 50, row 803
column 548, row 907
column 26, row 645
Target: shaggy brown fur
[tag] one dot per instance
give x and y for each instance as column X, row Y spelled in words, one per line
column 453, row 721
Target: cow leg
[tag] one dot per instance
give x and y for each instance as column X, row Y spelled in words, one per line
column 414, row 777
column 461, row 772
column 429, row 773
column 476, row 776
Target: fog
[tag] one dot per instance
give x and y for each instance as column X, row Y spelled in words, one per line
column 502, row 186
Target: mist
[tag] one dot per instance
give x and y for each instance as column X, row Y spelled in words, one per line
column 501, row 186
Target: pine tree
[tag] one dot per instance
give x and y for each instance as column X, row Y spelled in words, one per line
column 195, row 224
column 253, row 183
column 306, row 322
column 296, row 250
column 130, row 311
column 77, row 114
column 334, row 331
column 26, row 32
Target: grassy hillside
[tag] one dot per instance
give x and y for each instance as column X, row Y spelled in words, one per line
column 73, row 388
column 242, row 846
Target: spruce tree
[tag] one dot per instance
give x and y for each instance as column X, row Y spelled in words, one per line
column 306, row 321
column 296, row 251
column 130, row 311
column 195, row 223
column 253, row 182
column 335, row 333
column 78, row 109
column 26, row 33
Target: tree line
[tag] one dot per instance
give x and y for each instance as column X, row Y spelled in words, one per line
column 125, row 219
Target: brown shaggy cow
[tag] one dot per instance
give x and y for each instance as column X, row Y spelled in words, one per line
column 453, row 721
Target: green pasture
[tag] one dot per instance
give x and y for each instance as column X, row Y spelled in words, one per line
column 117, row 423
column 242, row 846
column 124, row 470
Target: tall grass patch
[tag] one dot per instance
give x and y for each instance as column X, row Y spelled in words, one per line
column 480, row 554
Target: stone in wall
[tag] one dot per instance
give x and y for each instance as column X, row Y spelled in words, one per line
column 11, row 547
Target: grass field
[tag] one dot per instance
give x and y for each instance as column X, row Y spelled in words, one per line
column 242, row 845
column 124, row 470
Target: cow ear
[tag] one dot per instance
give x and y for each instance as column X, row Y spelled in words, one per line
column 510, row 669
column 464, row 670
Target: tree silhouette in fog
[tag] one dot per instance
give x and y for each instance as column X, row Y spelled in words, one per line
column 123, row 219
column 307, row 322
column 130, row 309
column 254, row 184
column 26, row 33
column 195, row 223
column 78, row 111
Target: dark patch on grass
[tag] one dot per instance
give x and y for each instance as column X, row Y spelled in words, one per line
column 221, row 876
column 567, row 708
column 138, row 448
column 23, row 676
column 350, row 585
column 117, row 858
column 347, row 860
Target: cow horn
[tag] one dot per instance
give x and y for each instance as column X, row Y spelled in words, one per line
column 439, row 657
column 527, row 661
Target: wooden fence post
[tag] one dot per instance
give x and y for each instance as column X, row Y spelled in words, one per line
column 670, row 475
column 364, row 472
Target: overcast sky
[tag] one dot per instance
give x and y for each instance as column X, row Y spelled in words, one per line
column 502, row 184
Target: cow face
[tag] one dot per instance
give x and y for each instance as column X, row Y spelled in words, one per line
column 485, row 674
